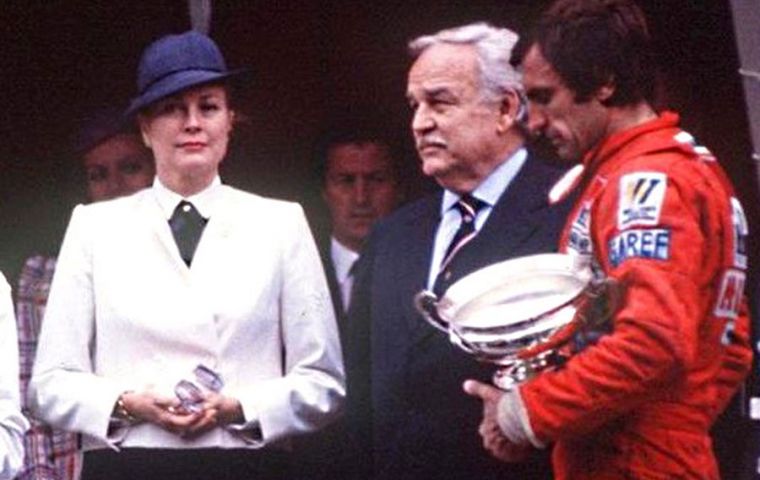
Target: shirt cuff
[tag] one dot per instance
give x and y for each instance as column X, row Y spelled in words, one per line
column 248, row 431
column 513, row 420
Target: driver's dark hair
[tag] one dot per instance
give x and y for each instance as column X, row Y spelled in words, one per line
column 593, row 43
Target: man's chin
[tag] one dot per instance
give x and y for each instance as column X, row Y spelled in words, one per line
column 360, row 229
column 568, row 155
column 433, row 166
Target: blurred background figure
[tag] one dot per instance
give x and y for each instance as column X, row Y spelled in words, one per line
column 115, row 160
column 358, row 166
column 115, row 163
column 189, row 331
column 12, row 422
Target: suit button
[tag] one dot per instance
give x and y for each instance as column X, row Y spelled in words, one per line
column 447, row 275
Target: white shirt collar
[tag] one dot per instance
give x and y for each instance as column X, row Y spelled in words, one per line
column 204, row 201
column 343, row 259
column 494, row 185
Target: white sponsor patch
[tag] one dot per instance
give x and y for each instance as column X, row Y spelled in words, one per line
column 730, row 295
column 641, row 198
column 741, row 231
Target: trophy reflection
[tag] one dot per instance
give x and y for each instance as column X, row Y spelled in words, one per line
column 525, row 315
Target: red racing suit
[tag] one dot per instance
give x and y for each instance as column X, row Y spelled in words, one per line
column 658, row 214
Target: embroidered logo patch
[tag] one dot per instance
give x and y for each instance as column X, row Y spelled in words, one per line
column 641, row 197
column 639, row 243
column 730, row 295
column 740, row 234
column 580, row 238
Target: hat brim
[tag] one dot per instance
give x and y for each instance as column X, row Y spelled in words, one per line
column 178, row 82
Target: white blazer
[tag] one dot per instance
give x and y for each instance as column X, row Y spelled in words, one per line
column 126, row 313
column 12, row 423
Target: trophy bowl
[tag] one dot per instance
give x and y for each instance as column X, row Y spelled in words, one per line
column 518, row 313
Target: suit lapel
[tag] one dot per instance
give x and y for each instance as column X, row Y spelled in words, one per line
column 160, row 229
column 220, row 226
column 417, row 254
column 513, row 219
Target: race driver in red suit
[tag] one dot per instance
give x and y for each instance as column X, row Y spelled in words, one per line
column 657, row 214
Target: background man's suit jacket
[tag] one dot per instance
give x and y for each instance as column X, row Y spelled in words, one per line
column 422, row 424
column 126, row 313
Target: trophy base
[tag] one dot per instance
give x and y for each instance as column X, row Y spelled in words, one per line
column 520, row 371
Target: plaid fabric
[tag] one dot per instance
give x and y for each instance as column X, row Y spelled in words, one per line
column 49, row 454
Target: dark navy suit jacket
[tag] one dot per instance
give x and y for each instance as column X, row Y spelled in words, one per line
column 405, row 400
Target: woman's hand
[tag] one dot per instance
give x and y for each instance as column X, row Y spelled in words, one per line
column 167, row 413
column 160, row 410
column 218, row 410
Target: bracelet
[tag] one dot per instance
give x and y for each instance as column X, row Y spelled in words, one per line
column 122, row 413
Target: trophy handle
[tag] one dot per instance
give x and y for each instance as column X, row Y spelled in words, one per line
column 426, row 304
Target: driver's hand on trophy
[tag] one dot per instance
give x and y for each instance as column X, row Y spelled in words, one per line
column 494, row 440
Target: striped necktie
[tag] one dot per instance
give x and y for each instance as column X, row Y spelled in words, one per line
column 468, row 207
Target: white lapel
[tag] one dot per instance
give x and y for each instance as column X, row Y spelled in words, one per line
column 160, row 229
column 216, row 234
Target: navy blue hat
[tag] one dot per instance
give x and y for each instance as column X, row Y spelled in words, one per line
column 177, row 62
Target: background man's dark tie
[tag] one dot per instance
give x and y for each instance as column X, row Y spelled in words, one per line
column 187, row 226
column 468, row 207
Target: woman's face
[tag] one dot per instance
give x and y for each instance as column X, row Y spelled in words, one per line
column 120, row 165
column 188, row 133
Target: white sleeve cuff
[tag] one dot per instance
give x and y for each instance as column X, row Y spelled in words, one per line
column 513, row 420
column 248, row 431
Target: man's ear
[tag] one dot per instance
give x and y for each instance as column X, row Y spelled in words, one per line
column 605, row 92
column 510, row 111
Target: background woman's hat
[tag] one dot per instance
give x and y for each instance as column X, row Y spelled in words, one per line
column 177, row 62
column 98, row 125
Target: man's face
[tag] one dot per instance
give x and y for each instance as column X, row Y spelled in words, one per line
column 360, row 187
column 573, row 127
column 454, row 126
column 120, row 165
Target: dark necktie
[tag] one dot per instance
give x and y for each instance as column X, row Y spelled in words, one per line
column 468, row 207
column 187, row 226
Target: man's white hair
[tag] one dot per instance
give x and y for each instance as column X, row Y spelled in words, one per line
column 493, row 47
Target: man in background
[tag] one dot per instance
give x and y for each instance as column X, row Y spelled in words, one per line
column 359, row 171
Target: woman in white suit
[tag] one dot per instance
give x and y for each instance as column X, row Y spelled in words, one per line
column 189, row 325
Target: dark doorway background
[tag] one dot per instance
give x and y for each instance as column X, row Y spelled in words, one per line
column 309, row 60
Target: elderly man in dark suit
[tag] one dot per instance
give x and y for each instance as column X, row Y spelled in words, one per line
column 405, row 378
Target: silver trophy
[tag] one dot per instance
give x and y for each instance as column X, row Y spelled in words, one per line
column 523, row 314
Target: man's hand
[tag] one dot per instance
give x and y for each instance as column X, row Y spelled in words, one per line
column 493, row 439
